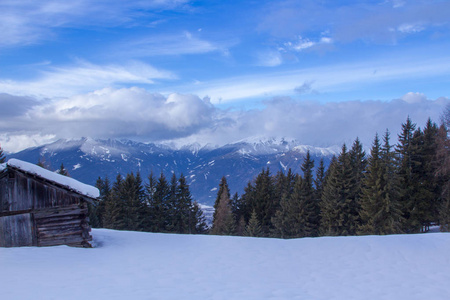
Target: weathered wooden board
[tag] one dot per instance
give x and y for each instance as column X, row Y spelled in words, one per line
column 35, row 211
column 16, row 231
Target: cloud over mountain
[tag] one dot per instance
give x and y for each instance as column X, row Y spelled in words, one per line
column 136, row 113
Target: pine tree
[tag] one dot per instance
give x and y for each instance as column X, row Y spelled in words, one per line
column 337, row 198
column 358, row 164
column 185, row 218
column 247, row 200
column 223, row 186
column 223, row 223
column 443, row 172
column 132, row 198
column 237, row 208
column 114, row 209
column 319, row 181
column 421, row 204
column 150, row 188
column 99, row 208
column 264, row 202
column 380, row 210
column 283, row 185
column 172, row 213
column 62, row 171
column 158, row 206
column 304, row 193
column 431, row 189
column 298, row 212
column 42, row 162
column 199, row 224
column 253, row 227
column 406, row 159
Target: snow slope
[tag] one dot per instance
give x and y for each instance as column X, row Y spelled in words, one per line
column 133, row 265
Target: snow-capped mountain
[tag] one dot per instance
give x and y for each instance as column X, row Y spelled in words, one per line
column 87, row 159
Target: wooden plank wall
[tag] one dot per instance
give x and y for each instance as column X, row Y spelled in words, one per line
column 44, row 214
column 16, row 231
column 63, row 226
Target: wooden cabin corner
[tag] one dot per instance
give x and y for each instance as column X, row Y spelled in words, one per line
column 36, row 210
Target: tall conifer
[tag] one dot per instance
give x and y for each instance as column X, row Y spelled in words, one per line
column 380, row 210
column 223, row 223
column 338, row 196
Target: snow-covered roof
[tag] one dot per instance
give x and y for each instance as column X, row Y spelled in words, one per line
column 70, row 183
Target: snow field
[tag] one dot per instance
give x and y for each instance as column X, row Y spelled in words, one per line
column 135, row 265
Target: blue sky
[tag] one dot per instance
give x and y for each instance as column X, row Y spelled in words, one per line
column 321, row 72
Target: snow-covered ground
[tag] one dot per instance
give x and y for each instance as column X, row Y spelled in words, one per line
column 133, row 265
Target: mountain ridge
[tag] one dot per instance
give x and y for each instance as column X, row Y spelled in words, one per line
column 86, row 159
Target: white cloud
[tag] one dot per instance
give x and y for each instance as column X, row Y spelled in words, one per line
column 300, row 44
column 269, row 59
column 321, row 124
column 332, row 78
column 128, row 112
column 83, row 77
column 17, row 142
column 410, row 28
column 369, row 21
column 138, row 114
column 326, row 40
column 26, row 22
column 412, row 97
column 398, row 3
column 172, row 44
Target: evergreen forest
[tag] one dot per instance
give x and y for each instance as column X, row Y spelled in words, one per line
column 396, row 188
column 158, row 206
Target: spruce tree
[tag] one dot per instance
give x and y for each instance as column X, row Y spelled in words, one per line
column 223, row 186
column 319, row 181
column 337, row 198
column 380, row 209
column 304, row 193
column 264, row 202
column 298, row 212
column 158, row 206
column 185, row 217
column 329, row 204
column 199, row 224
column 104, row 187
column 247, row 200
column 283, row 184
column 62, row 170
column 443, row 173
column 421, row 204
column 114, row 209
column 132, row 196
column 42, row 162
column 223, row 223
column 172, row 213
column 430, row 187
column 237, row 208
column 285, row 221
column 253, row 227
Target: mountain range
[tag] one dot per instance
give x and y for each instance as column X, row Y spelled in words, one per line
column 87, row 159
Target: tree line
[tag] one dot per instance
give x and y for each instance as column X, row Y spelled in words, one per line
column 402, row 188
column 157, row 206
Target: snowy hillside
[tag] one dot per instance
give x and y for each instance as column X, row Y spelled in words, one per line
column 86, row 159
column 133, row 265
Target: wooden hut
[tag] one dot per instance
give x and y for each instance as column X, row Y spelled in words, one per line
column 42, row 208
